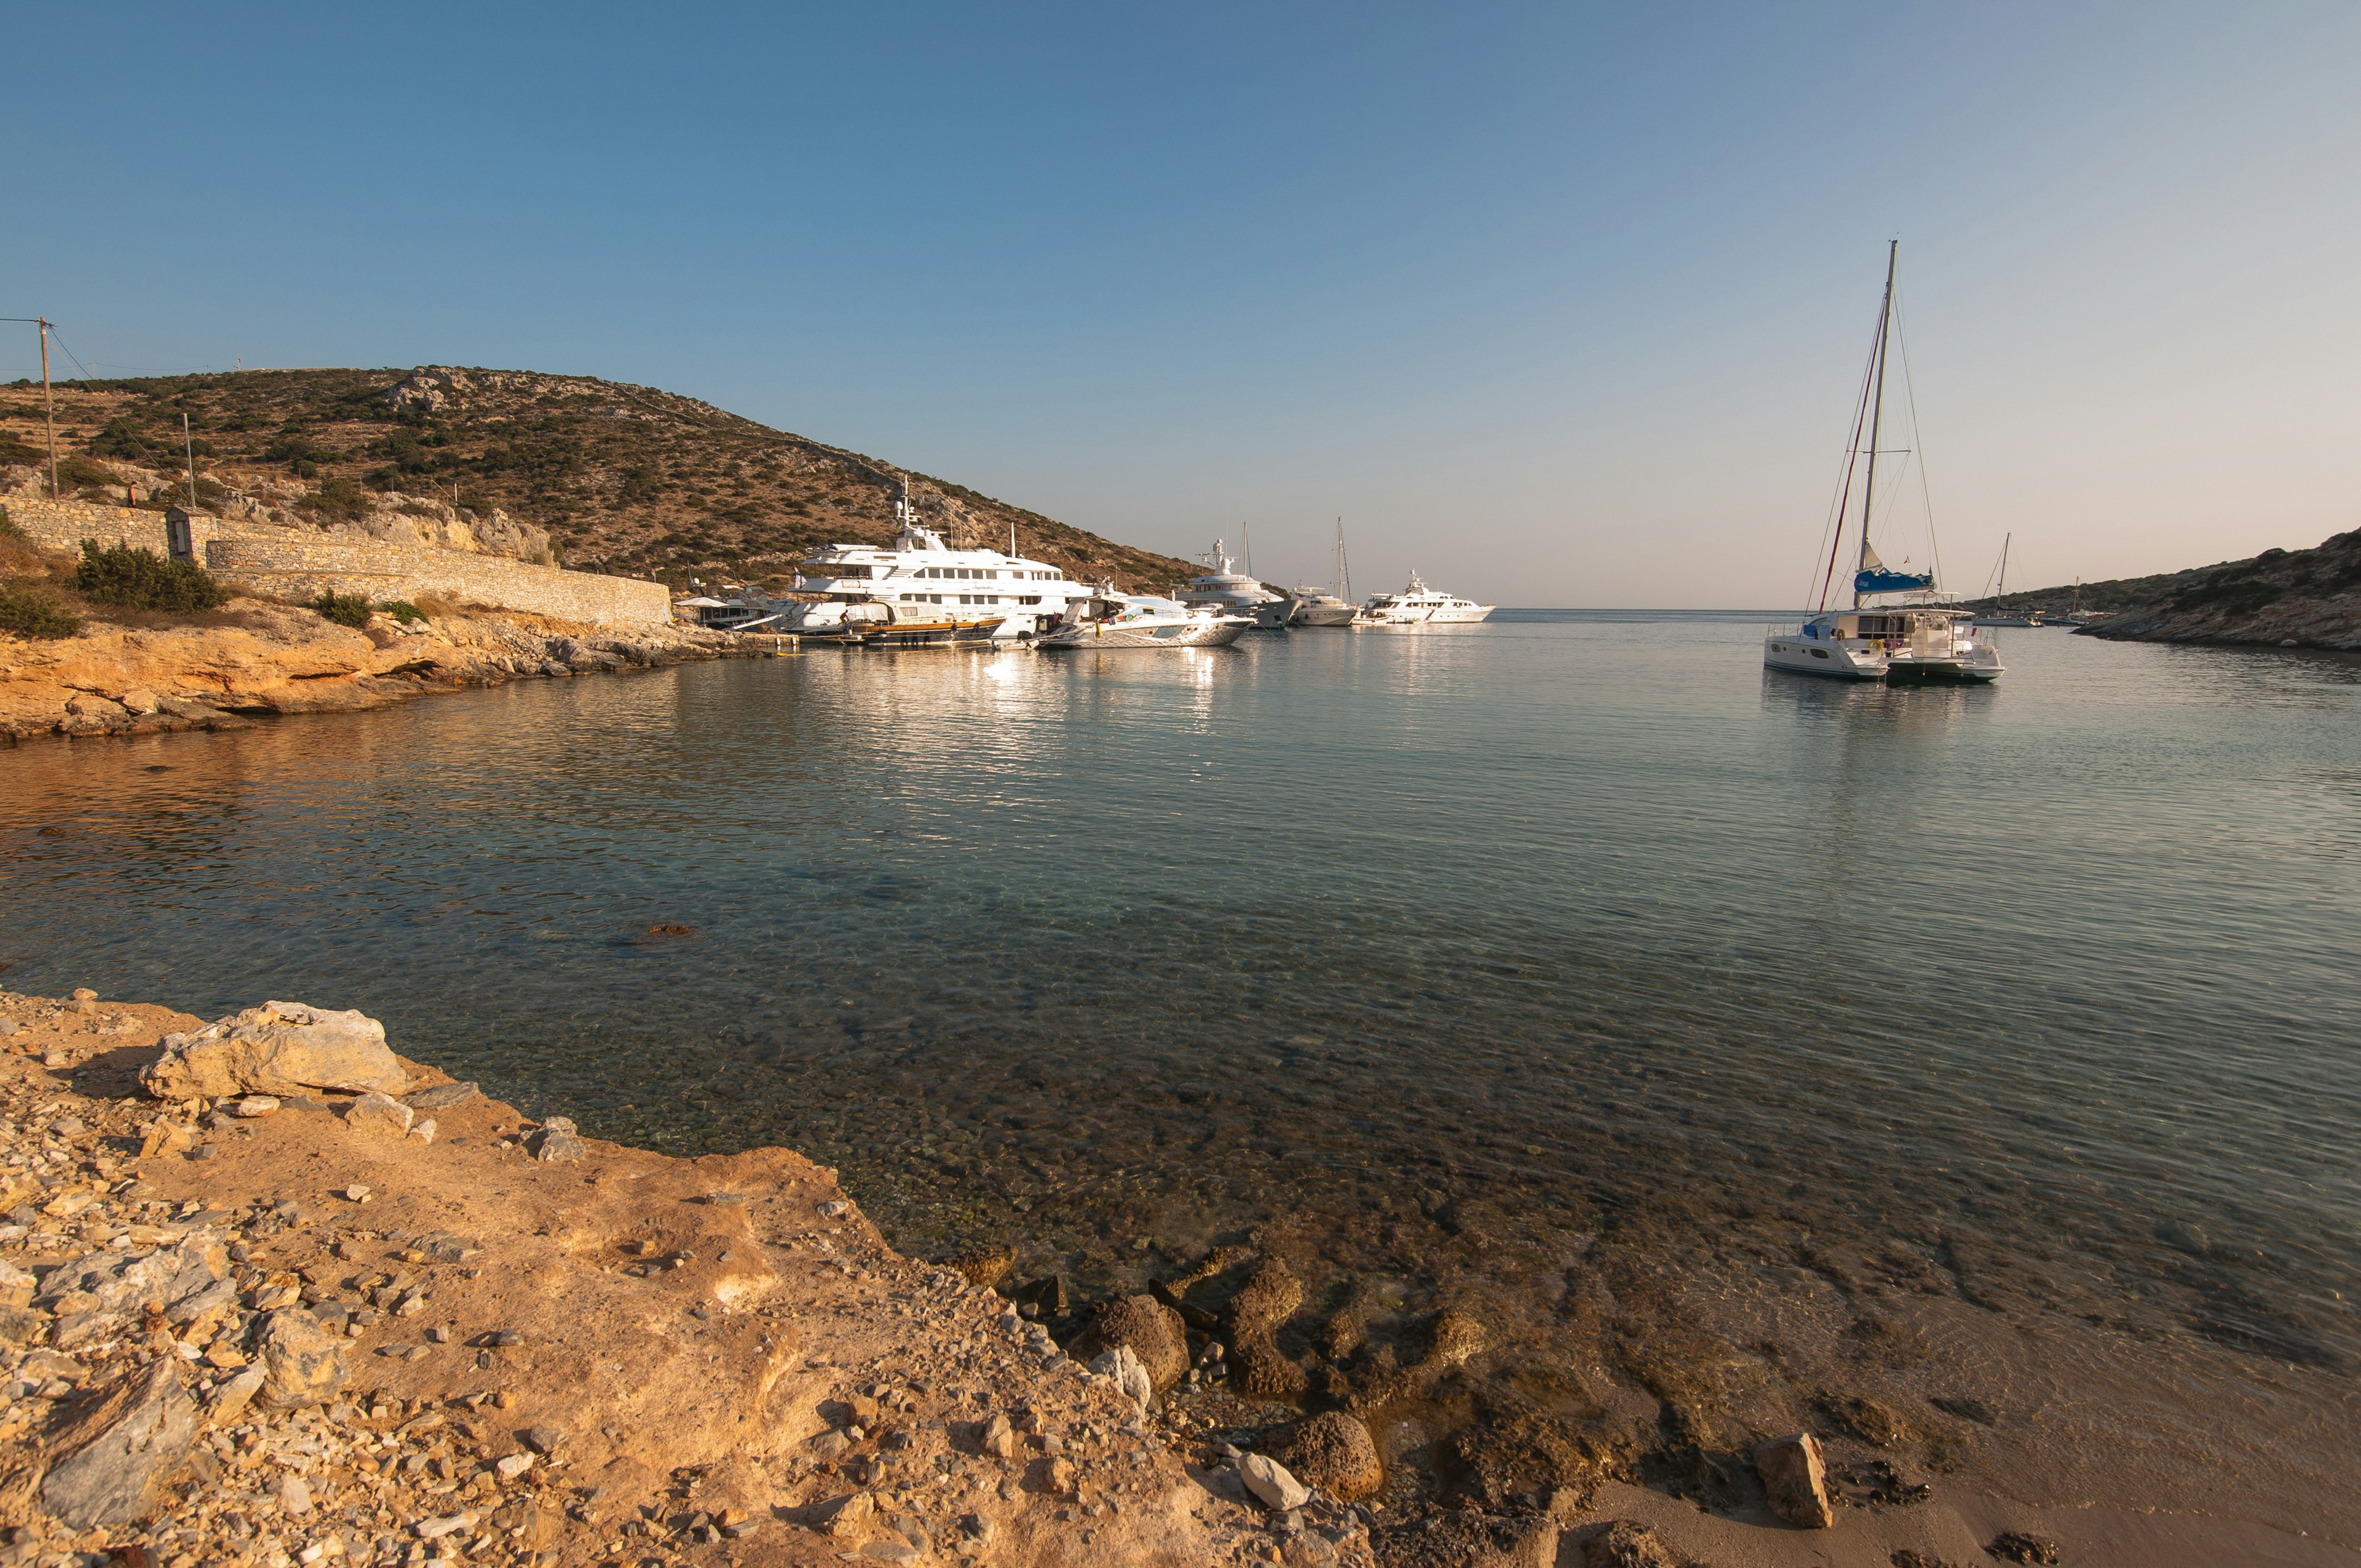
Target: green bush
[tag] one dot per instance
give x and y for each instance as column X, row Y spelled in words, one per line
column 345, row 609
column 27, row 611
column 404, row 612
column 8, row 529
column 339, row 500
column 141, row 580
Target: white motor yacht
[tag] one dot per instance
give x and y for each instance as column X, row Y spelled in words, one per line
column 1318, row 606
column 1419, row 605
column 1110, row 620
column 1227, row 588
column 923, row 579
column 1912, row 635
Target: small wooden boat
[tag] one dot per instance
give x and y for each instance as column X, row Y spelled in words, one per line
column 897, row 627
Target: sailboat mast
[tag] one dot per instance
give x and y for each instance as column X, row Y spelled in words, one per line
column 2003, row 600
column 1877, row 409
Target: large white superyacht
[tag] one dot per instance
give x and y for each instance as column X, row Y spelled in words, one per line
column 1897, row 628
column 1025, row 596
column 1419, row 605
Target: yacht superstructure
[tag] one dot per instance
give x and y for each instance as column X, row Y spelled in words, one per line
column 922, row 578
column 1419, row 605
column 1225, row 587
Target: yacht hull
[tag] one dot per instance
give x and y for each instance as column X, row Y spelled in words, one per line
column 1098, row 635
column 1323, row 615
column 1802, row 656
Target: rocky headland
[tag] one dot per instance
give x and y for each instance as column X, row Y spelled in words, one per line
column 2304, row 599
column 259, row 658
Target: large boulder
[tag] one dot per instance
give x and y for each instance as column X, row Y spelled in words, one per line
column 1794, row 1479
column 280, row 1047
column 1267, row 1299
column 1153, row 1331
column 121, row 1449
column 1333, row 1452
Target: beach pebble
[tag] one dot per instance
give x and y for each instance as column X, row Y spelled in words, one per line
column 294, row 1495
column 379, row 1114
column 441, row 1096
column 1270, row 1481
column 542, row 1440
column 255, row 1105
column 422, row 1129
column 834, row 1208
column 356, row 1193
column 999, row 1438
column 436, row 1529
column 514, row 1466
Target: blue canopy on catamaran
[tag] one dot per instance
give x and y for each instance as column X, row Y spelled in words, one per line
column 1878, row 580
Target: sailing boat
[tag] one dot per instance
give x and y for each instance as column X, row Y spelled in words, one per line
column 1894, row 629
column 1318, row 606
column 2000, row 615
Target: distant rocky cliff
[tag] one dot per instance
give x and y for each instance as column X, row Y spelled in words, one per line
column 2308, row 597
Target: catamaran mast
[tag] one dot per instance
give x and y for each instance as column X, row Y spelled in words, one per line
column 1876, row 415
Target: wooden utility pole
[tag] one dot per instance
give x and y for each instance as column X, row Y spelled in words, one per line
column 48, row 414
column 190, row 448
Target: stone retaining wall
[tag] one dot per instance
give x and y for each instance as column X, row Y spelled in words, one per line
column 297, row 567
column 63, row 525
column 260, row 557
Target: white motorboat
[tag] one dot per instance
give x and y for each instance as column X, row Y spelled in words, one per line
column 1226, row 587
column 1419, row 605
column 1110, row 620
column 923, row 579
column 746, row 609
column 1913, row 635
column 1318, row 606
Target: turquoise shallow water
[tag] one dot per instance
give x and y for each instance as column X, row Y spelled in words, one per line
column 1562, row 918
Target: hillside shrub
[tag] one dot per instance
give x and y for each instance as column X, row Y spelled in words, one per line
column 8, row 529
column 339, row 500
column 27, row 611
column 345, row 609
column 141, row 580
column 404, row 612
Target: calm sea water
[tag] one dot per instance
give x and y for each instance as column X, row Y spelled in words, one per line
column 1555, row 920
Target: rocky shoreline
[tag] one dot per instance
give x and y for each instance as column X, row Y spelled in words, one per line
column 266, row 659
column 270, row 1294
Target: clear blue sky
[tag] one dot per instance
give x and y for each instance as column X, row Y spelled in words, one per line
column 1559, row 304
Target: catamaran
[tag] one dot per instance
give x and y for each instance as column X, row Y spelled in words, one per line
column 1896, row 629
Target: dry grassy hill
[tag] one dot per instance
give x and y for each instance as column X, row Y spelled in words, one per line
column 625, row 479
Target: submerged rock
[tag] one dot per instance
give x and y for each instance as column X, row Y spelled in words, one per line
column 1795, row 1477
column 280, row 1047
column 1149, row 1330
column 1267, row 1299
column 1626, row 1544
column 1334, row 1453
